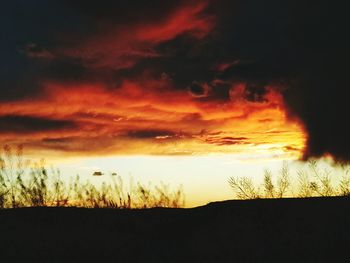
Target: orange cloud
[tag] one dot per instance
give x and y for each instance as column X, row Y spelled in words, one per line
column 151, row 117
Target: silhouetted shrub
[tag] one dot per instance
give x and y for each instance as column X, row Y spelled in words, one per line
column 38, row 187
column 244, row 188
column 311, row 182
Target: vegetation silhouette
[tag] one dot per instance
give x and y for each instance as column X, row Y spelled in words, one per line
column 41, row 188
column 311, row 182
column 50, row 222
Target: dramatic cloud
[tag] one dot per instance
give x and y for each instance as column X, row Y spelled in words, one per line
column 151, row 117
column 191, row 77
column 124, row 45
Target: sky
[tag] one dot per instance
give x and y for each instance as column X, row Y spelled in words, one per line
column 148, row 86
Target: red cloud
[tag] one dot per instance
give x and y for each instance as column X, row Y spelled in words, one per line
column 185, row 20
column 123, row 46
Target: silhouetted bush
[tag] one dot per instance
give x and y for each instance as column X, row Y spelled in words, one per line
column 244, row 188
column 311, row 182
column 38, row 187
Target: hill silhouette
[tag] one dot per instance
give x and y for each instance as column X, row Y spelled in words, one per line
column 283, row 230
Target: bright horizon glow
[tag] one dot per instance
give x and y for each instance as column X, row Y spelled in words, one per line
column 204, row 178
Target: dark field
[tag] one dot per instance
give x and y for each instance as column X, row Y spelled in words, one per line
column 279, row 230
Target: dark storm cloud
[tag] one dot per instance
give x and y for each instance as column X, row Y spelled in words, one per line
column 28, row 124
column 300, row 46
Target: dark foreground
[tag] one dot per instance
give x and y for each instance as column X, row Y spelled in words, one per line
column 289, row 230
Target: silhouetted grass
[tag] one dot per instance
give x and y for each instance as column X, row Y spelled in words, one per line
column 311, row 182
column 39, row 187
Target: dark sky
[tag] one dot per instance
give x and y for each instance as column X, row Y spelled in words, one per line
column 203, row 48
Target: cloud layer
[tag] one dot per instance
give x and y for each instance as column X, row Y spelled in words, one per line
column 195, row 77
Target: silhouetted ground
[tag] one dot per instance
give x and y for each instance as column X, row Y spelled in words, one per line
column 287, row 230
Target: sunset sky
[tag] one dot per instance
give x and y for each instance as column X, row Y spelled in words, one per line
column 185, row 92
